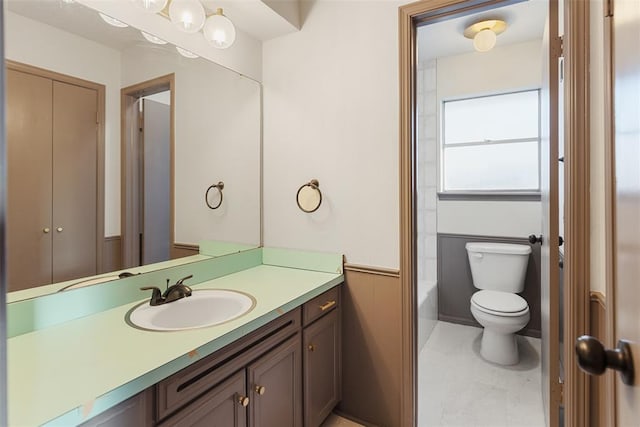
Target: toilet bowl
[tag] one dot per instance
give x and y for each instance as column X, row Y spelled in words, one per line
column 498, row 270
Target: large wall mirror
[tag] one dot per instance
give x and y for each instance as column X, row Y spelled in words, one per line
column 118, row 148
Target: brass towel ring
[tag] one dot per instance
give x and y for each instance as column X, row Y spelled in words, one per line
column 219, row 186
column 309, row 196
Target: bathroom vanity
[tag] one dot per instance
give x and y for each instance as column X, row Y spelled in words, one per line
column 279, row 364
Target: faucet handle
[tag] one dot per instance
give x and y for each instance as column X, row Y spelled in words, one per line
column 156, row 296
column 181, row 281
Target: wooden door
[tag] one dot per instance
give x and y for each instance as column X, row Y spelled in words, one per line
column 322, row 376
column 220, row 407
column 75, row 158
column 626, row 256
column 29, row 191
column 275, row 387
column 550, row 274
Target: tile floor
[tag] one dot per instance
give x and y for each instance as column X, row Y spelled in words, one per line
column 337, row 421
column 458, row 388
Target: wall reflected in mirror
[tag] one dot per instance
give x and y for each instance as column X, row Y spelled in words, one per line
column 95, row 186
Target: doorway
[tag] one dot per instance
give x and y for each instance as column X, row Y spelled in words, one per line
column 148, row 171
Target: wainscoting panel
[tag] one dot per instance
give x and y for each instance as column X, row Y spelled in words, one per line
column 455, row 285
column 111, row 254
column 181, row 250
column 372, row 346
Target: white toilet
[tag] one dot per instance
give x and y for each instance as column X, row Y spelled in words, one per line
column 499, row 270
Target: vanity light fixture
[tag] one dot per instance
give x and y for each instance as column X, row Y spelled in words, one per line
column 112, row 21
column 153, row 39
column 152, row 6
column 484, row 33
column 219, row 30
column 186, row 53
column 187, row 15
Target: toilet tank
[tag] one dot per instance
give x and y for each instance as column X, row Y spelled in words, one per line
column 498, row 266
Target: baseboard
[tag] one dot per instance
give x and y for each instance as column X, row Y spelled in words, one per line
column 181, row 250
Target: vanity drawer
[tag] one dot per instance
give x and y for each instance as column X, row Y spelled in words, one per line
column 183, row 387
column 321, row 305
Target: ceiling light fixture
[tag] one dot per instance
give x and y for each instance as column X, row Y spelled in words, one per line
column 484, row 33
column 112, row 21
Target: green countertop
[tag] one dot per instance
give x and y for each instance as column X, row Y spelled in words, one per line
column 69, row 372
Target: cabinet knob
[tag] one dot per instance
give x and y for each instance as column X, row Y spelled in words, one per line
column 311, row 347
column 243, row 400
column 46, row 230
column 260, row 389
column 59, row 229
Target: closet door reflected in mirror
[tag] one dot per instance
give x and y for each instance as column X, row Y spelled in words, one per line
column 52, row 139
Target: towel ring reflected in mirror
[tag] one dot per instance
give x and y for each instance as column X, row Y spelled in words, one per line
column 309, row 196
column 219, row 186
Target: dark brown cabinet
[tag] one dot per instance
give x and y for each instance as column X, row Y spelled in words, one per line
column 275, row 382
column 284, row 374
column 224, row 406
column 322, row 368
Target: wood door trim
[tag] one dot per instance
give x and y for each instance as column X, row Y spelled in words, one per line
column 128, row 93
column 101, row 119
column 577, row 205
column 409, row 16
column 610, row 211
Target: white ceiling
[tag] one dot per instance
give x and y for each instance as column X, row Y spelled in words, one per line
column 525, row 21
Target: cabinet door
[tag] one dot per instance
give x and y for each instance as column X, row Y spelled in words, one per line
column 75, row 158
column 275, row 387
column 134, row 412
column 223, row 406
column 322, row 368
column 29, row 195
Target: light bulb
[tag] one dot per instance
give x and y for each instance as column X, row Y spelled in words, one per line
column 188, row 15
column 153, row 39
column 112, row 21
column 219, row 30
column 186, row 53
column 152, row 6
column 485, row 40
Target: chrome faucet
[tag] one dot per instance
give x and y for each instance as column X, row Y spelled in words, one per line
column 172, row 293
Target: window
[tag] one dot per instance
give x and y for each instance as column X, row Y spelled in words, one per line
column 492, row 143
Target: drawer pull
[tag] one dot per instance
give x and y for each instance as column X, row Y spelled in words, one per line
column 243, row 400
column 260, row 389
column 311, row 347
column 326, row 306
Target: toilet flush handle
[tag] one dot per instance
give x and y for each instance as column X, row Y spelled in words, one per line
column 476, row 255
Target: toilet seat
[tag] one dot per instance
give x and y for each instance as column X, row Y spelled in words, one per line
column 499, row 303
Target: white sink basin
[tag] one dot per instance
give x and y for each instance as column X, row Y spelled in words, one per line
column 206, row 307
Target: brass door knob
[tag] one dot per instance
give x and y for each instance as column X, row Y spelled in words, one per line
column 59, row 229
column 243, row 400
column 260, row 389
column 46, row 230
column 311, row 347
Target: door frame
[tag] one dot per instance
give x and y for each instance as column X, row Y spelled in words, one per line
column 101, row 121
column 128, row 96
column 577, row 202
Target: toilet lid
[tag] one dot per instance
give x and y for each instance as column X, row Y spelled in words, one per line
column 503, row 302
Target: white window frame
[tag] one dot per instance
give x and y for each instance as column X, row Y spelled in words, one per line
column 491, row 193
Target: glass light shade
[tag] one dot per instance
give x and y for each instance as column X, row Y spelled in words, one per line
column 219, row 31
column 485, row 40
column 153, row 39
column 188, row 15
column 152, row 6
column 112, row 21
column 186, row 53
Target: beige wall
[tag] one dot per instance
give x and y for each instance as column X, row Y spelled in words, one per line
column 331, row 113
